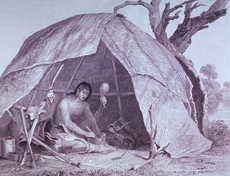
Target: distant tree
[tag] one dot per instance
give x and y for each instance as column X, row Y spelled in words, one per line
column 209, row 71
column 225, row 92
column 227, row 85
column 211, row 86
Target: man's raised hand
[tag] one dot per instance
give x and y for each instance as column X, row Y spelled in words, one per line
column 103, row 100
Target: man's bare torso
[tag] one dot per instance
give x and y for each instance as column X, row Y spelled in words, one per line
column 70, row 104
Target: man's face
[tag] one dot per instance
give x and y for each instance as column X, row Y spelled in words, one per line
column 83, row 94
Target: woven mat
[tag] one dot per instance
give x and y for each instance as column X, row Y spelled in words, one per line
column 131, row 159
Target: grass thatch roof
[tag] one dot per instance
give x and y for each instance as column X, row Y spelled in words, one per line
column 95, row 42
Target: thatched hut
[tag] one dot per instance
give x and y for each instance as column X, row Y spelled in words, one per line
column 148, row 86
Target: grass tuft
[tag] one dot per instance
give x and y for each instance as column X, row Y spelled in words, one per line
column 218, row 132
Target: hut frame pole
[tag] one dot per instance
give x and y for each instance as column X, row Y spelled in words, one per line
column 55, row 153
column 56, row 75
column 27, row 136
column 117, row 87
column 30, row 139
column 96, row 94
column 75, row 72
column 32, row 97
column 36, row 89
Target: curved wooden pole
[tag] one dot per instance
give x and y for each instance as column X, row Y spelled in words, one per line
column 27, row 136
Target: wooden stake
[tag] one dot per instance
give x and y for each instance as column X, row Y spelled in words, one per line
column 54, row 152
column 30, row 139
column 27, row 137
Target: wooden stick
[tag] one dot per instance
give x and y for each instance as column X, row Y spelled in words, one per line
column 30, row 139
column 27, row 137
column 117, row 87
column 119, row 157
column 11, row 115
column 54, row 152
column 56, row 75
column 88, row 128
column 96, row 94
column 75, row 72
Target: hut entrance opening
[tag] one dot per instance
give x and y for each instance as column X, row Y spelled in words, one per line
column 94, row 69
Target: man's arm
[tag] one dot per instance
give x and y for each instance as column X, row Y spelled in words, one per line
column 69, row 123
column 97, row 114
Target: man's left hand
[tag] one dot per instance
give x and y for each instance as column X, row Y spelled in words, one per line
column 103, row 100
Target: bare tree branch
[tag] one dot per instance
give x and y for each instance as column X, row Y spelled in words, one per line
column 134, row 3
column 180, row 5
column 181, row 38
column 189, row 8
column 156, row 9
column 153, row 8
column 218, row 5
column 186, row 26
column 160, row 30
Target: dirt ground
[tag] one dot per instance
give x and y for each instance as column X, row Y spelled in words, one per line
column 214, row 162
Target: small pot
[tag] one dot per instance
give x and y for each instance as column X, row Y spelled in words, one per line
column 7, row 145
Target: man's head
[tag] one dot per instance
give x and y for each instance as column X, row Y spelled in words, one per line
column 83, row 90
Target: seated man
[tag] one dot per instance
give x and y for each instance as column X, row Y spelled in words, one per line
column 72, row 106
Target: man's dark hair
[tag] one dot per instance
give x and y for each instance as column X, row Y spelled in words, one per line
column 82, row 86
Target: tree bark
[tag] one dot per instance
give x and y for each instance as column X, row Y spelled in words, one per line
column 182, row 37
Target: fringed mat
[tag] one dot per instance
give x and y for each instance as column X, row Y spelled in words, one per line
column 121, row 159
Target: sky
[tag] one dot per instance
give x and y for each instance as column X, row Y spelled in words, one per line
column 21, row 18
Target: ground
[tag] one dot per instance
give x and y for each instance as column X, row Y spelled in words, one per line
column 213, row 162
